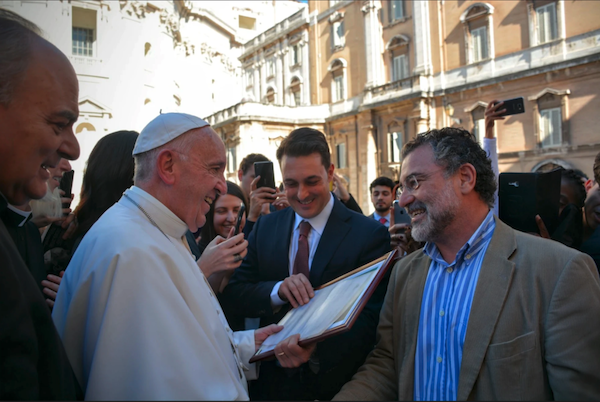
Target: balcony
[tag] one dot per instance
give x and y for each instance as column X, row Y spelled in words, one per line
column 397, row 90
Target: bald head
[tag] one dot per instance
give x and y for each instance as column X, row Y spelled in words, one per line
column 38, row 107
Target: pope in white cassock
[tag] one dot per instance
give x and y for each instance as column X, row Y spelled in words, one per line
column 135, row 313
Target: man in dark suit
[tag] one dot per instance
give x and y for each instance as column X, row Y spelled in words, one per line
column 382, row 197
column 38, row 106
column 483, row 312
column 296, row 249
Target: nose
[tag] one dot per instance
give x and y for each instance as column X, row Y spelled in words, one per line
column 302, row 192
column 231, row 216
column 221, row 186
column 69, row 148
column 405, row 199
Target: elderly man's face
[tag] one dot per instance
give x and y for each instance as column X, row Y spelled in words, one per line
column 201, row 178
column 37, row 125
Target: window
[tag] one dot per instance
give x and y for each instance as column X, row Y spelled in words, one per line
column 270, row 97
column 337, row 35
column 547, row 24
column 271, row 67
column 551, row 127
column 395, row 10
column 338, row 80
column 231, row 160
column 247, row 22
column 340, row 150
column 296, row 93
column 296, row 55
column 479, row 44
column 83, row 32
column 400, row 67
column 394, row 146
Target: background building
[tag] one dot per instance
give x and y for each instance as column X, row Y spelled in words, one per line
column 136, row 58
column 387, row 70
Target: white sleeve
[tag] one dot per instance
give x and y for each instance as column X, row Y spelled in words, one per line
column 489, row 146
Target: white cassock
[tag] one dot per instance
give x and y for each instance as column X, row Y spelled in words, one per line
column 137, row 317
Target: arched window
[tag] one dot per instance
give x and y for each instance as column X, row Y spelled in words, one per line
column 551, row 112
column 296, row 90
column 477, row 111
column 270, row 96
column 338, row 80
column 479, row 35
column 398, row 53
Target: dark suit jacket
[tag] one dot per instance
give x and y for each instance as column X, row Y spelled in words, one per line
column 349, row 240
column 33, row 362
column 533, row 331
column 592, row 247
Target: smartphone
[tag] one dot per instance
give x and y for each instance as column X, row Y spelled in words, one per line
column 514, row 106
column 238, row 221
column 400, row 214
column 265, row 171
column 66, row 184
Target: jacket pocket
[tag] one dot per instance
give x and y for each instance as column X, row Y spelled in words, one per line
column 520, row 344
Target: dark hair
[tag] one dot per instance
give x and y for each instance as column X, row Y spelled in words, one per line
column 208, row 232
column 249, row 161
column 597, row 168
column 16, row 36
column 575, row 180
column 108, row 174
column 305, row 141
column 382, row 181
column 453, row 147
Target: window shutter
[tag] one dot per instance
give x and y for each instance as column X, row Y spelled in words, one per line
column 556, row 126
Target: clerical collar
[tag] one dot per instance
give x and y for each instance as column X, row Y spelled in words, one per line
column 317, row 222
column 24, row 215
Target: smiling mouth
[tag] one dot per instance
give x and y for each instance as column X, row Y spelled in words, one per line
column 209, row 200
column 305, row 202
column 414, row 213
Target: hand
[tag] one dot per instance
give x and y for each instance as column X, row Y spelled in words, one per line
column 400, row 237
column 290, row 354
column 493, row 112
column 296, row 289
column 42, row 221
column 263, row 333
column 339, row 188
column 51, row 287
column 220, row 254
column 260, row 198
column 281, row 202
column 542, row 227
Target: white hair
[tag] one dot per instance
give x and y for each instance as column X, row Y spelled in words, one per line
column 50, row 205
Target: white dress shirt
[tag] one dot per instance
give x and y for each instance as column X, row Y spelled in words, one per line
column 377, row 217
column 314, row 236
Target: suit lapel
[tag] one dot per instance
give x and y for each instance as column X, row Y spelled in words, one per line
column 282, row 236
column 335, row 231
column 492, row 288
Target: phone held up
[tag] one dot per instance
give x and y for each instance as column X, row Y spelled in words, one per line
column 400, row 214
column 66, row 184
column 265, row 171
column 238, row 220
column 513, row 106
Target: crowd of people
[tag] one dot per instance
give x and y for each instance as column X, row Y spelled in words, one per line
column 166, row 279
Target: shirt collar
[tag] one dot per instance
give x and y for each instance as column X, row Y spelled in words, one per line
column 483, row 233
column 378, row 217
column 317, row 222
column 166, row 220
column 24, row 216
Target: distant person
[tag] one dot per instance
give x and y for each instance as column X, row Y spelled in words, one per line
column 485, row 312
column 591, row 215
column 38, row 107
column 382, row 197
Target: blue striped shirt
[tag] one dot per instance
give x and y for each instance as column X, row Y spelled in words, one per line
column 445, row 309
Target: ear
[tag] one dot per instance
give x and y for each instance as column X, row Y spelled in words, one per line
column 588, row 185
column 240, row 174
column 165, row 167
column 330, row 172
column 468, row 177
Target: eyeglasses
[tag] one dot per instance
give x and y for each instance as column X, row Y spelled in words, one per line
column 412, row 183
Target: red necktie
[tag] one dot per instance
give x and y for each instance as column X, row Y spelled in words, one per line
column 301, row 261
column 383, row 220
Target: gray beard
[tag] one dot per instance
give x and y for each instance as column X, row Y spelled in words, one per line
column 49, row 205
column 435, row 223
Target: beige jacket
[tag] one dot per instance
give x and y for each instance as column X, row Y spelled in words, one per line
column 533, row 331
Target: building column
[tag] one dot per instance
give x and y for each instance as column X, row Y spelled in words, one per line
column 279, row 100
column 422, row 45
column 256, row 82
column 367, row 158
column 285, row 62
column 373, row 44
column 304, row 48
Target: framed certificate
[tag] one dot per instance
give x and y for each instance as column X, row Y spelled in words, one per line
column 334, row 308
